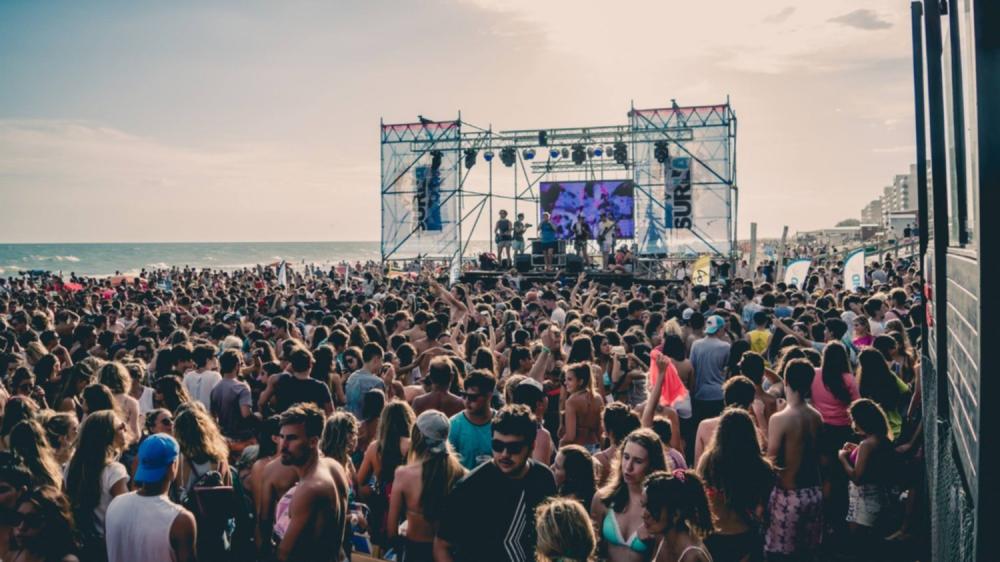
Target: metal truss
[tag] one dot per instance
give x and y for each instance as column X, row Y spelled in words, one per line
column 704, row 134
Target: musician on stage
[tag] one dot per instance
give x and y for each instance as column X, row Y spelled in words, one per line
column 547, row 233
column 581, row 234
column 519, row 229
column 606, row 237
column 504, row 233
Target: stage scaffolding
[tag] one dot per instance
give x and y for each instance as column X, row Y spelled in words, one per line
column 430, row 210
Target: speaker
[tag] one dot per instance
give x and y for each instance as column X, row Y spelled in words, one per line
column 522, row 263
column 574, row 263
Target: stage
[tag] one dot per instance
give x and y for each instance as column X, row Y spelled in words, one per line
column 489, row 279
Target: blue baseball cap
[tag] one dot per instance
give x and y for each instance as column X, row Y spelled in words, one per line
column 713, row 324
column 156, row 454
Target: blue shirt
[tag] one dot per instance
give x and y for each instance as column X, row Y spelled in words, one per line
column 470, row 440
column 708, row 357
column 547, row 232
column 360, row 382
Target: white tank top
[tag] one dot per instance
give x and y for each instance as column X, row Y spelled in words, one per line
column 138, row 527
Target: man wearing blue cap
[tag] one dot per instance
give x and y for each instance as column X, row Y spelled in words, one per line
column 708, row 357
column 145, row 524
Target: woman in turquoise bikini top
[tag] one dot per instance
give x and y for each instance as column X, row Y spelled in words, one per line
column 619, row 504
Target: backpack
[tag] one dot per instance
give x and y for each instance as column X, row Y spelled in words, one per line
column 215, row 506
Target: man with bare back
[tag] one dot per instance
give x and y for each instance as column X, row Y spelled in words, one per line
column 311, row 517
column 796, row 503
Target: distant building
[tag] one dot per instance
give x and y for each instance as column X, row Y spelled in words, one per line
column 872, row 212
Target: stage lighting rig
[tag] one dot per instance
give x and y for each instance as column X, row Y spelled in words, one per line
column 598, row 152
column 661, row 151
column 543, row 138
column 565, row 152
column 508, row 156
column 621, row 153
column 528, row 154
column 579, row 156
column 608, row 151
column 435, row 159
column 554, row 153
column 470, row 157
column 488, row 155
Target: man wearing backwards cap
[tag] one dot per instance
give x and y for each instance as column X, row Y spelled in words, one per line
column 708, row 357
column 145, row 524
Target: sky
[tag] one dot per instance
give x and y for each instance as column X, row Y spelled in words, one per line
column 259, row 121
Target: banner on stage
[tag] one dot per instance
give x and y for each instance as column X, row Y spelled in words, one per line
column 677, row 194
column 796, row 272
column 854, row 269
column 427, row 201
column 701, row 272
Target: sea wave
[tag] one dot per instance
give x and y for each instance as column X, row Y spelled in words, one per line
column 72, row 259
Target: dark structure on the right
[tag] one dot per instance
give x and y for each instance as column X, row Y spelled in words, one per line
column 956, row 48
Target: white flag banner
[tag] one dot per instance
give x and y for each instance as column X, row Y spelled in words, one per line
column 854, row 269
column 283, row 274
column 796, row 272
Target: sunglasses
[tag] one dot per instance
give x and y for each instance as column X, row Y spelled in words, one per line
column 472, row 396
column 512, row 447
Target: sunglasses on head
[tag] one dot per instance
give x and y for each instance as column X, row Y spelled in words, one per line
column 512, row 447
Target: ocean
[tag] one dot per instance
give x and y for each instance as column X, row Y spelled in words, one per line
column 128, row 258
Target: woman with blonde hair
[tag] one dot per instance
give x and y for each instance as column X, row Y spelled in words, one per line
column 564, row 532
column 382, row 457
column 617, row 508
column 27, row 441
column 420, row 487
column 340, row 437
column 61, row 429
column 116, row 377
column 95, row 477
column 203, row 451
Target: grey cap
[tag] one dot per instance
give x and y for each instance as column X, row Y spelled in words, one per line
column 433, row 427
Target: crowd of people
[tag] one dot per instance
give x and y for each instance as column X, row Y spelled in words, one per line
column 195, row 414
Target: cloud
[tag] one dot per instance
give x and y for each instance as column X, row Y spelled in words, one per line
column 780, row 16
column 862, row 19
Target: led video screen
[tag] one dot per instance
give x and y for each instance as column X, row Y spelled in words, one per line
column 565, row 201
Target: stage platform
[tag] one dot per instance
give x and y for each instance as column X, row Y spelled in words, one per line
column 489, row 278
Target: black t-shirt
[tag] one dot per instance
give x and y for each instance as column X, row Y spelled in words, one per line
column 489, row 516
column 503, row 229
column 290, row 390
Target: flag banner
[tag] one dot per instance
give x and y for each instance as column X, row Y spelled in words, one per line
column 677, row 195
column 701, row 271
column 854, row 269
column 796, row 272
column 283, row 274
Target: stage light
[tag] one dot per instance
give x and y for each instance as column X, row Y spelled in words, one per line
column 528, row 154
column 621, row 152
column 508, row 156
column 598, row 152
column 543, row 138
column 565, row 152
column 590, row 152
column 488, row 155
column 579, row 156
column 608, row 151
column 554, row 153
column 661, row 151
column 470, row 157
column 435, row 159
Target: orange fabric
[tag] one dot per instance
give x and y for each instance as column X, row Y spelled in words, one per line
column 673, row 388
